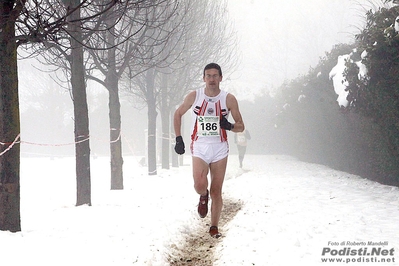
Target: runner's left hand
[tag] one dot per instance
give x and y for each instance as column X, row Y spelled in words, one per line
column 226, row 124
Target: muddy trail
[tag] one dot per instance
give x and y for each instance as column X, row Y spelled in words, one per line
column 198, row 247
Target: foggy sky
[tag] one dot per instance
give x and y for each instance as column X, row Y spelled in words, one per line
column 281, row 39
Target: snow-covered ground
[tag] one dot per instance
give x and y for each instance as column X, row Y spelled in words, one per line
column 291, row 213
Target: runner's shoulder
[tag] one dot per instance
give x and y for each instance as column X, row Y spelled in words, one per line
column 190, row 98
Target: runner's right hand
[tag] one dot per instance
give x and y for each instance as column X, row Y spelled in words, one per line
column 179, row 147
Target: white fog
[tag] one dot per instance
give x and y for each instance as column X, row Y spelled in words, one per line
column 277, row 41
column 281, row 39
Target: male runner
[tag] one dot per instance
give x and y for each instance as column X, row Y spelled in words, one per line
column 241, row 140
column 209, row 147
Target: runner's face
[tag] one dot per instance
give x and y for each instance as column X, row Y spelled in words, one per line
column 212, row 78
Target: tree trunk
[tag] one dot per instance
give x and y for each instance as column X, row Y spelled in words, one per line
column 111, row 82
column 175, row 157
column 152, row 123
column 10, row 218
column 165, row 139
column 78, row 83
column 115, row 131
column 165, row 120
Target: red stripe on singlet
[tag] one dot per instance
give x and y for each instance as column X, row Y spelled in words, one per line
column 201, row 111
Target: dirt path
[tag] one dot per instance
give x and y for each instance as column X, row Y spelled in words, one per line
column 198, row 249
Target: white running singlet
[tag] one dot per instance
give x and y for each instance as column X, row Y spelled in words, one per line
column 207, row 112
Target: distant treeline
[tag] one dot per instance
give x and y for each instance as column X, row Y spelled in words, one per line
column 304, row 120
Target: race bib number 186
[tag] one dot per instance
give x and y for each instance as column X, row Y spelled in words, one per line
column 208, row 126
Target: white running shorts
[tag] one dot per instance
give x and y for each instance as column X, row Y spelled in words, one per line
column 210, row 152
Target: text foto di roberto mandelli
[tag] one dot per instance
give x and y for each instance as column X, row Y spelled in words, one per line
column 358, row 243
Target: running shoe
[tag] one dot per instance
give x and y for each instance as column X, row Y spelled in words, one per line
column 203, row 205
column 214, row 232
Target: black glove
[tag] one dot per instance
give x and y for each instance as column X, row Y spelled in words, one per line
column 226, row 124
column 179, row 147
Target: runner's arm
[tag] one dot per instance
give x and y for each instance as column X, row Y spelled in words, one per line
column 232, row 105
column 181, row 110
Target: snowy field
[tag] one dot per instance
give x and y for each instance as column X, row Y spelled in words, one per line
column 289, row 213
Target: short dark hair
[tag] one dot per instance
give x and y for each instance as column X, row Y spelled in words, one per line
column 215, row 66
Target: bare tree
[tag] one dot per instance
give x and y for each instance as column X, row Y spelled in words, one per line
column 23, row 22
column 157, row 42
column 96, row 31
column 82, row 23
column 123, row 45
column 20, row 22
column 81, row 113
column 9, row 119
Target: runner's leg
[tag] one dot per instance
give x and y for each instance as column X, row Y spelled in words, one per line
column 218, row 170
column 200, row 172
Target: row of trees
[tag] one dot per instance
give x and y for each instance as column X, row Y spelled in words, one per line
column 363, row 137
column 151, row 48
column 377, row 96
